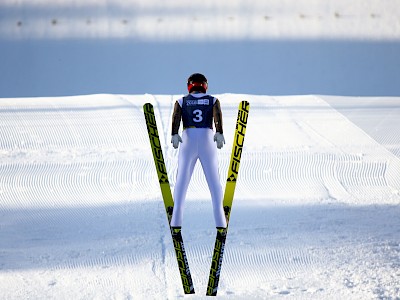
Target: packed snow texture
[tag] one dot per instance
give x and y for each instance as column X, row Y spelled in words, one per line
column 315, row 215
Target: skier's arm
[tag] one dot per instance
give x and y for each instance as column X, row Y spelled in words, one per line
column 217, row 114
column 219, row 134
column 176, row 122
column 176, row 118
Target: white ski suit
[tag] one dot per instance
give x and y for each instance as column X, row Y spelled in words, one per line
column 197, row 111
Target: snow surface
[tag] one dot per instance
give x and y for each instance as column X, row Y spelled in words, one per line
column 315, row 215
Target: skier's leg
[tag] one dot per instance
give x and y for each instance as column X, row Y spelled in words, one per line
column 186, row 161
column 209, row 161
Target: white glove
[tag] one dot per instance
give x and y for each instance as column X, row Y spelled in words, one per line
column 175, row 140
column 219, row 138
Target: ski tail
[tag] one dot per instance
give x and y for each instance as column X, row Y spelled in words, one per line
column 216, row 262
column 233, row 171
column 183, row 263
column 161, row 169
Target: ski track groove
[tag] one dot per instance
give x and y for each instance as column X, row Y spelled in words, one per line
column 77, row 155
column 63, row 130
column 296, row 170
column 67, row 182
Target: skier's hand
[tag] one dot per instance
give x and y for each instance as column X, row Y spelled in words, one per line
column 175, row 140
column 219, row 138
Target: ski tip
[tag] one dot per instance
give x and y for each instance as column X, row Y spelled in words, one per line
column 147, row 106
column 244, row 104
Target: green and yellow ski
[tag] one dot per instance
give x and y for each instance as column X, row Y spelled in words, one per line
column 180, row 252
column 237, row 149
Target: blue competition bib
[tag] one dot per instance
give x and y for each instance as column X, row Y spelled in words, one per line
column 197, row 112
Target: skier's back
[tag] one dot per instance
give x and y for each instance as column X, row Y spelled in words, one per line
column 197, row 110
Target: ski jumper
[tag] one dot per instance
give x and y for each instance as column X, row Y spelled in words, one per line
column 197, row 112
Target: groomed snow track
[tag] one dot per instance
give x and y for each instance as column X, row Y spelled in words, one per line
column 315, row 212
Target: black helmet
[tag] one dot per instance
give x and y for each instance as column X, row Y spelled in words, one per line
column 197, row 82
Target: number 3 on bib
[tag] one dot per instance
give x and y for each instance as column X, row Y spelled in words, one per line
column 198, row 115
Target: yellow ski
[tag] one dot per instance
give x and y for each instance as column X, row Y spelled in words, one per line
column 180, row 252
column 237, row 149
